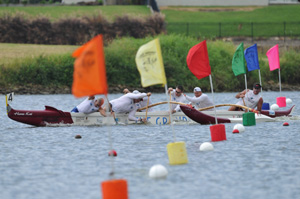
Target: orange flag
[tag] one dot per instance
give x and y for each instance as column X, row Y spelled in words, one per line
column 89, row 77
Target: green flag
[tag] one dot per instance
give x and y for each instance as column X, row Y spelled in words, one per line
column 238, row 61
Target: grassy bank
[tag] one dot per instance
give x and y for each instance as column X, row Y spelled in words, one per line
column 57, row 69
column 57, row 12
column 275, row 13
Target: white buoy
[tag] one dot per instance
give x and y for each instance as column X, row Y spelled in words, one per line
column 289, row 101
column 239, row 127
column 206, row 146
column 158, row 171
column 274, row 107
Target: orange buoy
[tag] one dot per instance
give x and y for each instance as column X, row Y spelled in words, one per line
column 217, row 132
column 114, row 189
column 285, row 124
column 235, row 131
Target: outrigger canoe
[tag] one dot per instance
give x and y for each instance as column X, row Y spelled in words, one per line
column 53, row 117
column 202, row 118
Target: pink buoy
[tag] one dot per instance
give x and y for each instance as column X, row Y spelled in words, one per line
column 281, row 101
column 235, row 131
column 285, row 124
column 217, row 132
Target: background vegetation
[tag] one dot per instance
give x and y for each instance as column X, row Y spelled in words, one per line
column 57, row 70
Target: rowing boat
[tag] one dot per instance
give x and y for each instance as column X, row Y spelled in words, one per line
column 53, row 117
column 203, row 118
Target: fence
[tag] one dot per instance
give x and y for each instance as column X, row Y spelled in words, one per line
column 213, row 30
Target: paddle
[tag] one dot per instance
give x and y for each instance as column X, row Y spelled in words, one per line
column 159, row 103
column 240, row 106
column 147, row 107
column 200, row 109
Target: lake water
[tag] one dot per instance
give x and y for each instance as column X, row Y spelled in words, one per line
column 48, row 162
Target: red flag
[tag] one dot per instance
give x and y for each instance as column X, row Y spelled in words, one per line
column 89, row 77
column 198, row 61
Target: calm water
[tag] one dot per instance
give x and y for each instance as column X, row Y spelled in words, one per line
column 48, row 162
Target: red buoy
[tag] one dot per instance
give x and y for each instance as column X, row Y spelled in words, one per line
column 235, row 131
column 112, row 153
column 285, row 124
column 217, row 132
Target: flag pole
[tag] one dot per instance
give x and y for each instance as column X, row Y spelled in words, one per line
column 212, row 92
column 279, row 81
column 260, row 81
column 246, row 87
column 170, row 114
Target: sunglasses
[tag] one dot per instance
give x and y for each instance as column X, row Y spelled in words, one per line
column 178, row 92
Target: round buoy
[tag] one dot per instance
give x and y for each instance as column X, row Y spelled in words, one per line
column 239, row 127
column 274, row 107
column 206, row 146
column 285, row 124
column 158, row 171
column 112, row 153
column 78, row 136
column 235, row 131
column 289, row 101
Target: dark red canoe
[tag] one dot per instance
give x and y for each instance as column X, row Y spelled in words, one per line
column 203, row 118
column 41, row 117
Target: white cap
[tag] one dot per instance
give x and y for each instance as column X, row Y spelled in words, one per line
column 136, row 92
column 197, row 89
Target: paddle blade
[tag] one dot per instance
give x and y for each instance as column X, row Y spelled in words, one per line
column 251, row 57
column 89, row 77
column 150, row 65
column 198, row 61
column 273, row 57
column 238, row 61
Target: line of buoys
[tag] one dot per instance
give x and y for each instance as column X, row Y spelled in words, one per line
column 285, row 124
column 112, row 153
column 274, row 107
column 206, row 146
column 217, row 132
column 289, row 101
column 281, row 101
column 239, row 127
column 235, row 131
column 177, row 153
column 77, row 136
column 158, row 171
column 114, row 189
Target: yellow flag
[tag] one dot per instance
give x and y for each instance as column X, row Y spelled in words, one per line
column 150, row 64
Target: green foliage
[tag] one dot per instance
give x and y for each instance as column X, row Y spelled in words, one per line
column 121, row 67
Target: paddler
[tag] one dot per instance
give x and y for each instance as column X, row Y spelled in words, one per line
column 90, row 105
column 127, row 104
column 200, row 100
column 177, row 96
column 249, row 98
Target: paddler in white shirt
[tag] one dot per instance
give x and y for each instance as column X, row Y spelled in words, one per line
column 177, row 96
column 127, row 104
column 200, row 100
column 249, row 98
column 142, row 103
column 90, row 105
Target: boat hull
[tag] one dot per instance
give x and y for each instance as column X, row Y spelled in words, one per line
column 203, row 118
column 53, row 117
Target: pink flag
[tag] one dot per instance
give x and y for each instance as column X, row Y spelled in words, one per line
column 273, row 57
column 198, row 61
